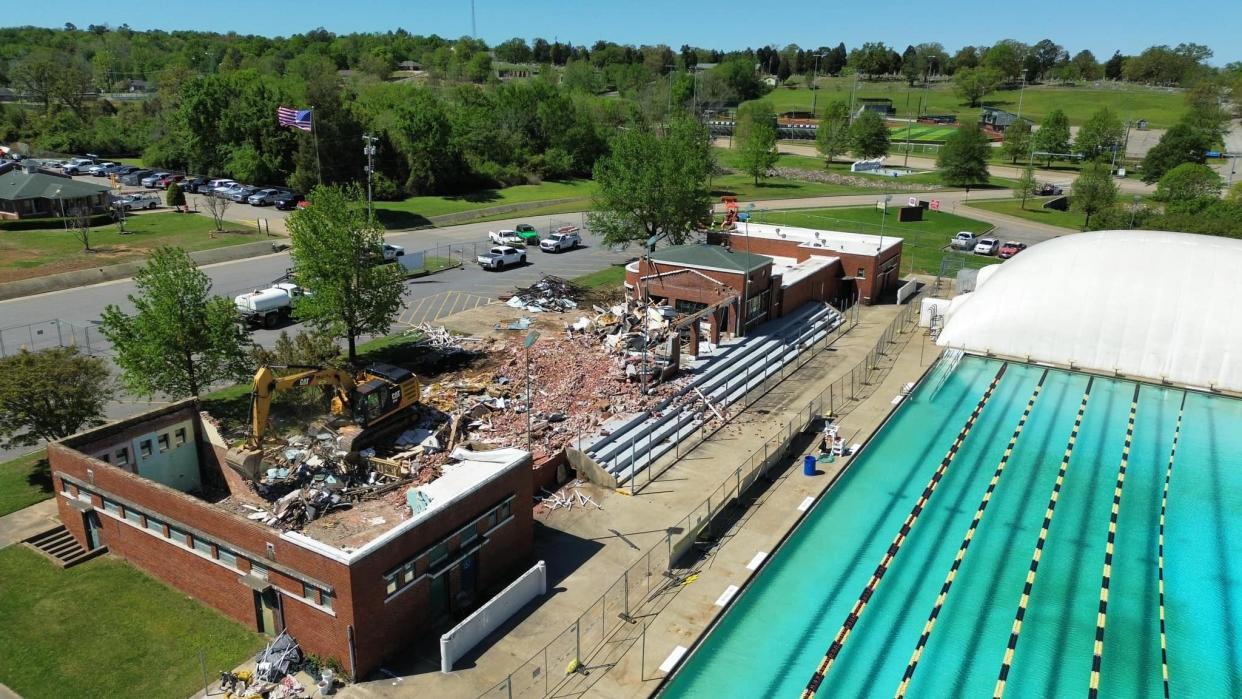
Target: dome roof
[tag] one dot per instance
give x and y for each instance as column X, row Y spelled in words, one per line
column 1146, row 304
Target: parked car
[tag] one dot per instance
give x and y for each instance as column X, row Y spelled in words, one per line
column 225, row 190
column 193, row 183
column 964, row 240
column 213, row 185
column 97, row 170
column 169, row 179
column 527, row 234
column 263, row 197
column 134, row 178
column 118, row 170
column 77, row 166
column 1048, row 189
column 240, row 193
column 287, row 201
column 392, row 252
column 559, row 242
column 500, row 257
column 151, row 180
column 137, row 200
column 987, row 246
column 1010, row 248
column 505, row 237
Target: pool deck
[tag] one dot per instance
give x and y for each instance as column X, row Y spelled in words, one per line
column 692, row 610
column 587, row 550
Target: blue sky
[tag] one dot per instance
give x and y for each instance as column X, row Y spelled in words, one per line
column 1099, row 25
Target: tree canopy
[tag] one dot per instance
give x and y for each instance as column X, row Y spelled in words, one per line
column 1180, row 144
column 1094, row 191
column 832, row 138
column 1187, row 182
column 1101, row 135
column 869, row 137
column 1053, row 136
column 755, row 138
column 50, row 394
column 963, row 160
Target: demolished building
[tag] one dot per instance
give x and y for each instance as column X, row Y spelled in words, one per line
column 364, row 570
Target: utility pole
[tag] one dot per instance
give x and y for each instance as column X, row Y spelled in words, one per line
column 473, row 32
column 368, row 149
column 1021, row 94
column 814, row 86
column 909, row 126
column 883, row 220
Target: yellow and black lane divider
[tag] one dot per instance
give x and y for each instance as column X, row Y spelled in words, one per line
column 966, row 541
column 1007, row 663
column 1164, row 507
column 857, row 610
column 1101, row 616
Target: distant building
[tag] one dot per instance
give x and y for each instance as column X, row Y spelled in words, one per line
column 29, row 192
column 999, row 119
column 409, row 65
column 880, row 105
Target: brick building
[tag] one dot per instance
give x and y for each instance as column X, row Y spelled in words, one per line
column 775, row 268
column 154, row 488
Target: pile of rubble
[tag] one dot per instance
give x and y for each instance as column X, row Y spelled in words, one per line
column 549, row 294
column 567, row 498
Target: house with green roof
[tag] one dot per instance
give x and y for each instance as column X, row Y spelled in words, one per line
column 27, row 191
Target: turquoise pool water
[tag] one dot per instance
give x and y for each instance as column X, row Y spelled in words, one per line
column 775, row 635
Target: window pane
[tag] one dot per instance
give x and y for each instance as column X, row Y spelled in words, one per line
column 112, row 507
column 177, row 535
column 438, row 553
column 132, row 516
column 163, row 440
column 407, row 574
column 202, row 546
column 156, row 526
column 392, row 585
column 179, row 436
column 227, row 557
column 122, row 456
column 65, row 487
column 325, row 598
column 144, row 448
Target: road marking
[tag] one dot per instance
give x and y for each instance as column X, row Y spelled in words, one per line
column 806, row 504
column 727, row 595
column 673, row 658
column 757, row 560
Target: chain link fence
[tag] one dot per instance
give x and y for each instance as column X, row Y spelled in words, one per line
column 655, row 571
column 53, row 333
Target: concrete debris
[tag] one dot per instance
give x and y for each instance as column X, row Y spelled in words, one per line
column 549, row 294
column 280, row 658
column 568, row 497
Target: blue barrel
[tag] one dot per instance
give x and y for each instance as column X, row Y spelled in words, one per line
column 808, row 465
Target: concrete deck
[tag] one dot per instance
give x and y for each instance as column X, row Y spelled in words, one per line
column 587, row 550
column 28, row 521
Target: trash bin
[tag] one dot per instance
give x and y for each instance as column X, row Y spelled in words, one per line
column 808, row 465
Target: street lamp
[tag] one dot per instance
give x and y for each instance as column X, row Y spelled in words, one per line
column 883, row 219
column 368, row 149
column 1134, row 209
column 814, row 87
column 526, row 344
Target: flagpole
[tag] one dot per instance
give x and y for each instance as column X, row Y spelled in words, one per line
column 315, row 135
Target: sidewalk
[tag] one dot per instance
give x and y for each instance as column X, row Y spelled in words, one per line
column 27, row 522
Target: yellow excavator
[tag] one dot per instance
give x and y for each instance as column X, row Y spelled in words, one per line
column 369, row 400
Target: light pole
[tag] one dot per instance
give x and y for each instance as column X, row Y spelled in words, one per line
column 852, row 91
column 526, row 344
column 883, row 219
column 1021, row 94
column 368, row 149
column 745, row 314
column 814, row 86
column 1134, row 209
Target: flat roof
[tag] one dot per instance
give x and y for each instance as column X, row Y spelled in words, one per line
column 817, row 239
column 716, row 257
column 792, row 271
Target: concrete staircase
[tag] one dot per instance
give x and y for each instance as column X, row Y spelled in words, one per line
column 59, row 545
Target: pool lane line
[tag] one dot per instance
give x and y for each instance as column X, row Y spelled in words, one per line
column 1007, row 663
column 1101, row 616
column 1164, row 506
column 966, row 541
column 846, row 628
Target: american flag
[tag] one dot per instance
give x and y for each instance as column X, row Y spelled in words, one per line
column 297, row 118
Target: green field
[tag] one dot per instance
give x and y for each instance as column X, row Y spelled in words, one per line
column 729, row 158
column 933, row 133
column 1034, row 211
column 1160, row 106
column 924, row 242
column 105, row 629
column 24, row 481
column 34, row 253
column 417, row 211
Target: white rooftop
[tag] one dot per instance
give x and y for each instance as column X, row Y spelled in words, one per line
column 792, row 271
column 1153, row 305
column 830, row 241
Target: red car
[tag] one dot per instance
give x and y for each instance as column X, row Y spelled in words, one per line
column 1011, row 248
column 168, row 179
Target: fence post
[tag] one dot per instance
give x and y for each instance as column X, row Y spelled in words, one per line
column 577, row 641
column 545, row 671
column 625, row 577
column 509, row 686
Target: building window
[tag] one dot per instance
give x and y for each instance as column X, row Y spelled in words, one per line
column 226, row 557
column 258, row 571
column 133, row 516
column 506, row 508
column 163, row 442
column 144, row 448
column 105, row 458
column 325, row 598
column 439, row 553
column 202, row 546
column 468, row 535
column 156, row 526
column 65, row 487
column 391, row 585
column 122, row 456
column 862, row 273
column 177, row 535
column 407, row 572
column 179, row 437
column 112, row 507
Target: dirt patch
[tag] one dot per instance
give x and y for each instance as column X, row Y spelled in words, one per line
column 11, row 268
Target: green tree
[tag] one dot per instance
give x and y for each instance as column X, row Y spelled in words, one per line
column 174, row 197
column 1027, row 185
column 740, row 77
column 50, row 394
column 1235, row 193
column 869, row 136
column 1180, row 144
column 1006, row 58
column 963, row 160
column 912, row 66
column 971, row 84
column 1094, row 191
column 1017, row 142
column 1053, row 136
column 756, row 138
column 1100, row 135
column 833, row 135
column 652, row 184
column 1188, row 182
column 479, row 68
column 338, row 257
column 180, row 339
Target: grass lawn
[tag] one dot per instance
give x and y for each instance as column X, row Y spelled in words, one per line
column 743, row 187
column 611, row 276
column 925, row 242
column 34, row 253
column 1161, row 107
column 921, row 132
column 24, row 481
column 104, row 629
column 416, row 211
column 1072, row 220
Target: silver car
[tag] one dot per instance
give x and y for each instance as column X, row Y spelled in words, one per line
column 240, row 193
column 263, row 197
column 150, row 181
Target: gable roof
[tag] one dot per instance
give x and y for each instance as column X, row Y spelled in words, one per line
column 16, row 183
column 711, row 257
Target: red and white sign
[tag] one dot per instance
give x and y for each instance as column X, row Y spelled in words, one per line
column 935, row 204
column 913, row 201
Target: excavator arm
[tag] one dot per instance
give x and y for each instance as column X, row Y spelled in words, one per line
column 266, row 383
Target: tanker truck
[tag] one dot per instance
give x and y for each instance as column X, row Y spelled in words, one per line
column 268, row 307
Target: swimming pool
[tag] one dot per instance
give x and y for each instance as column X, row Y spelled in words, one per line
column 1028, row 461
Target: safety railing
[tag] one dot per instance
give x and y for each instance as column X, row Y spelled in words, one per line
column 52, row 333
column 558, row 662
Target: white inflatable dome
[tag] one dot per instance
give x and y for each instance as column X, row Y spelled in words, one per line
column 1146, row 304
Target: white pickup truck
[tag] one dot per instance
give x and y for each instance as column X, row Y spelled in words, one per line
column 505, row 237
column 500, row 257
column 138, row 200
column 561, row 241
column 964, row 241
